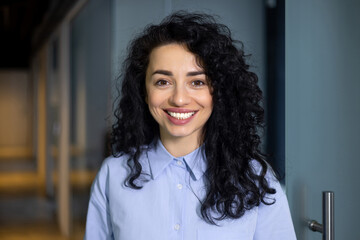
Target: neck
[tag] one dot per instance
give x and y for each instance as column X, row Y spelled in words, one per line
column 179, row 146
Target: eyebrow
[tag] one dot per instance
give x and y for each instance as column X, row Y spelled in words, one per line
column 168, row 73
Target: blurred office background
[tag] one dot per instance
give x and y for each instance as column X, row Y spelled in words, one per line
column 59, row 64
column 59, row 61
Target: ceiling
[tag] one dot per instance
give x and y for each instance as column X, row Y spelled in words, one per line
column 24, row 24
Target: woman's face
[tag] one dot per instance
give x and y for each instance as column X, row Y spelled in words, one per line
column 178, row 93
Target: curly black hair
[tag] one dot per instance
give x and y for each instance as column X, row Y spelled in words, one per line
column 231, row 133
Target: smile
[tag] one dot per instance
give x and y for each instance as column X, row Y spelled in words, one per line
column 180, row 115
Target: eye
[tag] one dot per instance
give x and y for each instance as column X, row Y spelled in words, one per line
column 198, row 83
column 162, row 82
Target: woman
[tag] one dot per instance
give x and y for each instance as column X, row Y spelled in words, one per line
column 186, row 161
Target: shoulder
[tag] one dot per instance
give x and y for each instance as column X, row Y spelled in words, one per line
column 274, row 220
column 258, row 168
column 112, row 167
column 270, row 178
column 118, row 167
column 114, row 163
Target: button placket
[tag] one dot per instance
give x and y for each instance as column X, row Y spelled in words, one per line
column 178, row 174
column 177, row 227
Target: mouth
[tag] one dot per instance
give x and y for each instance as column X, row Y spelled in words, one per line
column 180, row 115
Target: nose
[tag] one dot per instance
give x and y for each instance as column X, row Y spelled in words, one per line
column 180, row 96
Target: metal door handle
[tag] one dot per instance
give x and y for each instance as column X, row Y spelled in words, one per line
column 327, row 228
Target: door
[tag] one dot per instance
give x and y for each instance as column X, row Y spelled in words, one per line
column 323, row 112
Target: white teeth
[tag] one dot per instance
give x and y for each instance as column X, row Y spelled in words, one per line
column 181, row 115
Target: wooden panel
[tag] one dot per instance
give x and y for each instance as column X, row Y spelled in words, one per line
column 41, row 118
column 16, row 182
column 64, row 216
column 16, row 152
column 16, row 113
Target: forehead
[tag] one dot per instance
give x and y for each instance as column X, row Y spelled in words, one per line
column 172, row 56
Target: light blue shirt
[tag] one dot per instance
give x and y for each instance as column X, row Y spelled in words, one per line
column 168, row 206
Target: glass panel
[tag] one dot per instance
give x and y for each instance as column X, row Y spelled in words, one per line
column 53, row 115
column 89, row 98
column 323, row 113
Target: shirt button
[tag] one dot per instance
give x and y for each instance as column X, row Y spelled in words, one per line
column 179, row 186
column 177, row 227
column 179, row 162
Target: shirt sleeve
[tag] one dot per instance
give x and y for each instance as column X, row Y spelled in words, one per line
column 98, row 222
column 274, row 221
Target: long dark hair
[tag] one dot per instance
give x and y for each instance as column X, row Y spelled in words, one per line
column 230, row 135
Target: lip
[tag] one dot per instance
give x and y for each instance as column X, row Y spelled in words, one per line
column 179, row 110
column 176, row 121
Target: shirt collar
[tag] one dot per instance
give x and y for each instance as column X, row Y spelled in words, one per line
column 159, row 158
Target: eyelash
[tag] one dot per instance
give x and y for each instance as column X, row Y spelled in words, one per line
column 161, row 82
column 195, row 83
column 199, row 83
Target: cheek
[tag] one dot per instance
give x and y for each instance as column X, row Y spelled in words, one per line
column 205, row 101
column 154, row 100
column 210, row 102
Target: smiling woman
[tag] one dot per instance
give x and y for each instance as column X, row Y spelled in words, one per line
column 186, row 162
column 179, row 97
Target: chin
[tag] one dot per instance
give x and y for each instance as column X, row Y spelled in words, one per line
column 183, row 134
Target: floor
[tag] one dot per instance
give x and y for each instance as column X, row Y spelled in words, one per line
column 27, row 213
column 30, row 218
column 39, row 231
